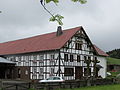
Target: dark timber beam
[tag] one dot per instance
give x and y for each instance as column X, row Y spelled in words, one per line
column 59, row 64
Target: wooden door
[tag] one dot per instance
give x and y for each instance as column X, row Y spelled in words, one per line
column 78, row 72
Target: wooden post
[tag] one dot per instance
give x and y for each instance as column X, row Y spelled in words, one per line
column 16, row 87
column 29, row 86
column 1, row 84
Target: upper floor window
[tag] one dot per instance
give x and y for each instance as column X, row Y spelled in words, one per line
column 66, row 57
column 34, row 63
column 35, row 57
column 78, row 46
column 78, row 58
column 19, row 59
column 85, row 57
column 41, row 57
column 41, row 70
column 34, row 70
column 13, row 59
column 89, row 58
column 71, row 58
column 52, row 57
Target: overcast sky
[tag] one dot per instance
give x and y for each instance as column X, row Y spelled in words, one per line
column 26, row 18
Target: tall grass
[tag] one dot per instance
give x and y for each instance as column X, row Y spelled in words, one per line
column 106, row 87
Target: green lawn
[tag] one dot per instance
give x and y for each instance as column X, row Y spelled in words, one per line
column 113, row 61
column 106, row 87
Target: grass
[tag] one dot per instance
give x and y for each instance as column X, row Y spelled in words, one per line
column 113, row 61
column 105, row 87
column 114, row 74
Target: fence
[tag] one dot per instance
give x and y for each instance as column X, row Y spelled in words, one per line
column 52, row 86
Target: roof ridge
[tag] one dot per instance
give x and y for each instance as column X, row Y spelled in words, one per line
column 38, row 35
column 43, row 42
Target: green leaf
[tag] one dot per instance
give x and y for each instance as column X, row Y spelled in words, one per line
column 58, row 18
column 47, row 1
column 81, row 1
column 55, row 1
column 52, row 19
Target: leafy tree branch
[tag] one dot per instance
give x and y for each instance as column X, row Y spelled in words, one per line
column 58, row 18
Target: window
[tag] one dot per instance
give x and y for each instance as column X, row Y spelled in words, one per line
column 41, row 71
column 34, row 70
column 89, row 58
column 34, row 63
column 56, row 78
column 41, row 57
column 41, row 63
column 78, row 58
column 52, row 71
column 78, row 45
column 85, row 72
column 85, row 58
column 13, row 59
column 27, row 60
column 35, row 57
column 26, row 72
column 41, row 76
column 65, row 57
column 52, row 61
column 19, row 59
column 34, row 76
column 19, row 73
column 71, row 58
column 52, row 57
column 69, row 72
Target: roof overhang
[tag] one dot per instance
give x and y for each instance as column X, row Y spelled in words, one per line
column 5, row 61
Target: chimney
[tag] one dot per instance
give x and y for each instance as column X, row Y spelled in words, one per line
column 59, row 31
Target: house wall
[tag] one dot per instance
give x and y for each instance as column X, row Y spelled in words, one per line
column 41, row 65
column 103, row 63
column 70, row 49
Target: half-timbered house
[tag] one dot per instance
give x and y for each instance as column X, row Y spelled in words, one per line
column 62, row 53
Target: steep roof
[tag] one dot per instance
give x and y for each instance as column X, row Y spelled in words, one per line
column 38, row 43
column 100, row 52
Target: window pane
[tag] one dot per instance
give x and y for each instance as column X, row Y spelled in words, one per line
column 66, row 57
column 71, row 58
column 69, row 72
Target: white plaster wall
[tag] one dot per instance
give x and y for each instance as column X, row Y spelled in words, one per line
column 103, row 63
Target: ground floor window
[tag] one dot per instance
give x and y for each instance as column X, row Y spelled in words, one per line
column 41, row 76
column 68, row 71
column 34, row 76
column 87, row 72
column 52, row 71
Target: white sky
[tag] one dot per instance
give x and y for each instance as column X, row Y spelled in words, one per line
column 26, row 18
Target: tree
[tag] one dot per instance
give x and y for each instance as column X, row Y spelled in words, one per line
column 58, row 18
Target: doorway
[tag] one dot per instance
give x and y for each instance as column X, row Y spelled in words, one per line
column 78, row 72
